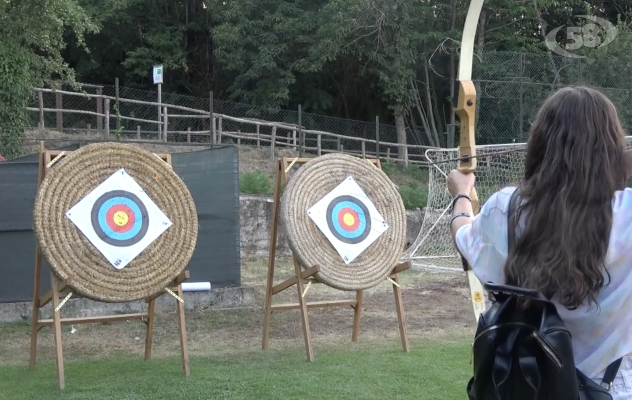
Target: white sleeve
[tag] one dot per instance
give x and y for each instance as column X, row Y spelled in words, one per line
column 621, row 233
column 484, row 242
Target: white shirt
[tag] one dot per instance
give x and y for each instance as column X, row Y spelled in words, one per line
column 600, row 336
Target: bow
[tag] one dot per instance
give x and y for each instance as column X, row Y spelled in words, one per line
column 466, row 112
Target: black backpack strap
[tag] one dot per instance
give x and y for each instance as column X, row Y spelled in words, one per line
column 610, row 374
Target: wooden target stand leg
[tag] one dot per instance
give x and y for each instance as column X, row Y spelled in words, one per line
column 304, row 276
column 60, row 289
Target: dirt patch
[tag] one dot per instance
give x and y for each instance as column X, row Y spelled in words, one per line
column 254, row 159
column 435, row 305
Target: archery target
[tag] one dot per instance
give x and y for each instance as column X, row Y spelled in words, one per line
column 119, row 219
column 348, row 218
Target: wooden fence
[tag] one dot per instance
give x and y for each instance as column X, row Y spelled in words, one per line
column 283, row 135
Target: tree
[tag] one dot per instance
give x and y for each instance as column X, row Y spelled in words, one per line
column 264, row 44
column 33, row 34
column 390, row 38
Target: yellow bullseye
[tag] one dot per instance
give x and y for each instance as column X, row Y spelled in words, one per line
column 120, row 218
column 348, row 219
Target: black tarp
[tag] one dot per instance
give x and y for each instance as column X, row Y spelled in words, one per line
column 212, row 177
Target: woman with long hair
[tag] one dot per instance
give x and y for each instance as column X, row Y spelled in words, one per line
column 574, row 235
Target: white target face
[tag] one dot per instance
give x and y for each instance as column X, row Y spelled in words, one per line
column 348, row 218
column 119, row 219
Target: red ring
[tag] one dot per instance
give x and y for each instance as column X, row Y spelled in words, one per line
column 109, row 218
column 343, row 224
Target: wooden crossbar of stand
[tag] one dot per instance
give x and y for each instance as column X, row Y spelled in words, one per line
column 60, row 289
column 304, row 276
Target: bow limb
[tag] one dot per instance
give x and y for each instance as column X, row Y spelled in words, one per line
column 466, row 112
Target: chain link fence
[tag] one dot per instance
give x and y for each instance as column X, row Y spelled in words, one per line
column 512, row 86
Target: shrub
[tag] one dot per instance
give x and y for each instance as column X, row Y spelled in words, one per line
column 414, row 196
column 255, row 182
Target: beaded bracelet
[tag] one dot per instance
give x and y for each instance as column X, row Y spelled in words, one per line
column 459, row 215
column 457, row 197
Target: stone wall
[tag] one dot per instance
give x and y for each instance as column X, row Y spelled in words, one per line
column 256, row 215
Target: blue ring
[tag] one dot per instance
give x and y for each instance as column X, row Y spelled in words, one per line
column 339, row 229
column 138, row 218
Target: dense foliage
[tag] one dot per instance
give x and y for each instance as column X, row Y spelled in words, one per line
column 348, row 58
column 32, row 36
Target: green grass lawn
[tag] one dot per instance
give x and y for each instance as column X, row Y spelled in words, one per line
column 435, row 369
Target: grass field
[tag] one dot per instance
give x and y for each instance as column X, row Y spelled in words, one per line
column 435, row 369
column 105, row 361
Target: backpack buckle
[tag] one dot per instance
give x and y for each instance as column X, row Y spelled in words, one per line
column 606, row 385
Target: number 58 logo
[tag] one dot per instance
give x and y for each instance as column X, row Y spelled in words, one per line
column 592, row 35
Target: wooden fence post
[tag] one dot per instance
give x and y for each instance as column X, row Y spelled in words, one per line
column 258, row 138
column 272, row 140
column 300, row 131
column 211, row 118
column 377, row 136
column 219, row 130
column 294, row 139
column 60, row 116
column 40, row 101
column 363, row 150
column 118, row 104
column 318, row 146
column 99, row 111
column 166, row 120
column 107, row 116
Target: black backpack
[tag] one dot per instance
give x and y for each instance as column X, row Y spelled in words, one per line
column 520, row 355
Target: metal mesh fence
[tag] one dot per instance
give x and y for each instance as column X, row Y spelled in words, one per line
column 512, row 86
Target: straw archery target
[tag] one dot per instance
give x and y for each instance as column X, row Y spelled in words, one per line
column 344, row 215
column 348, row 218
column 119, row 219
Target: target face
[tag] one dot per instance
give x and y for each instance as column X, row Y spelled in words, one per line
column 348, row 218
column 119, row 219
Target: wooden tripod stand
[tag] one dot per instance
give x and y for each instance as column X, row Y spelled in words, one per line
column 302, row 277
column 60, row 289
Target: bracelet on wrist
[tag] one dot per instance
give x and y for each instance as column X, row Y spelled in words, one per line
column 458, row 216
column 457, row 197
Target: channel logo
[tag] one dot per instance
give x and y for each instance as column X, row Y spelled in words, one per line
column 595, row 33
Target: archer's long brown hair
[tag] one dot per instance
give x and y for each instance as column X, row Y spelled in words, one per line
column 573, row 166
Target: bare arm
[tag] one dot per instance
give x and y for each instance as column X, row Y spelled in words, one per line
column 462, row 205
column 459, row 183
